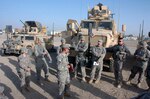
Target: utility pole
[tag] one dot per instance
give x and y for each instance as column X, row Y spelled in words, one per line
column 142, row 30
column 140, row 33
column 53, row 29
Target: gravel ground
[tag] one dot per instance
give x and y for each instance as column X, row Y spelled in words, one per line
column 79, row 90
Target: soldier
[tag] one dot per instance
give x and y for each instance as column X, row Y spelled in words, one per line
column 98, row 54
column 24, row 69
column 141, row 55
column 80, row 58
column 119, row 55
column 148, row 77
column 59, row 50
column 2, row 95
column 41, row 63
column 63, row 72
column 75, row 38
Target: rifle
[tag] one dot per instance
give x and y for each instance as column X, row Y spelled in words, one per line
column 25, row 26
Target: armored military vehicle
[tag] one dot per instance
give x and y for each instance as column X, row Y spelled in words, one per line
column 102, row 27
column 25, row 38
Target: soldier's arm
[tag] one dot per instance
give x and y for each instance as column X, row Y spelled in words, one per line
column 147, row 56
column 58, row 50
column 36, row 51
column 94, row 52
column 85, row 47
column 127, row 51
column 103, row 53
column 47, row 53
column 29, row 62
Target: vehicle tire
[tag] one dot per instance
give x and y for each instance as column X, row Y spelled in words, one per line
column 111, row 65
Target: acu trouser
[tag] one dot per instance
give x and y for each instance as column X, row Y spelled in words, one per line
column 80, row 65
column 64, row 82
column 136, row 70
column 25, row 78
column 99, row 69
column 118, row 64
column 42, row 64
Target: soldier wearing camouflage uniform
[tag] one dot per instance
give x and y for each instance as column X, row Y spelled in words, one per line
column 148, row 77
column 63, row 72
column 24, row 69
column 2, row 95
column 80, row 58
column 98, row 54
column 141, row 55
column 119, row 55
column 59, row 50
column 41, row 63
column 75, row 39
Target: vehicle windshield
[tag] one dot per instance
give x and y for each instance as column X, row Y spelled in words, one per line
column 105, row 25
column 29, row 37
column 86, row 24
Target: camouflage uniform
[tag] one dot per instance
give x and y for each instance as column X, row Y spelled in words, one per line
column 59, row 50
column 24, row 69
column 98, row 54
column 119, row 55
column 41, row 62
column 80, row 58
column 2, row 95
column 148, row 77
column 142, row 56
column 75, row 39
column 63, row 73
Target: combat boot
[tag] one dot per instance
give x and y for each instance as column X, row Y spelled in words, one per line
column 61, row 97
column 22, row 89
column 91, row 80
column 46, row 79
column 28, row 88
column 96, row 81
column 67, row 94
column 128, row 82
column 139, row 85
column 118, row 86
column 83, row 79
column 39, row 83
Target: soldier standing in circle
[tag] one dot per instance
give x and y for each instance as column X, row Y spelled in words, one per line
column 63, row 72
column 24, row 69
column 148, row 77
column 141, row 55
column 98, row 54
column 41, row 63
column 119, row 55
column 63, row 42
column 80, row 58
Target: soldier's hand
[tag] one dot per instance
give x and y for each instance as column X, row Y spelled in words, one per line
column 68, row 66
column 44, row 53
column 28, row 69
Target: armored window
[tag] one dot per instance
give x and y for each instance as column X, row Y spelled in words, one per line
column 105, row 25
